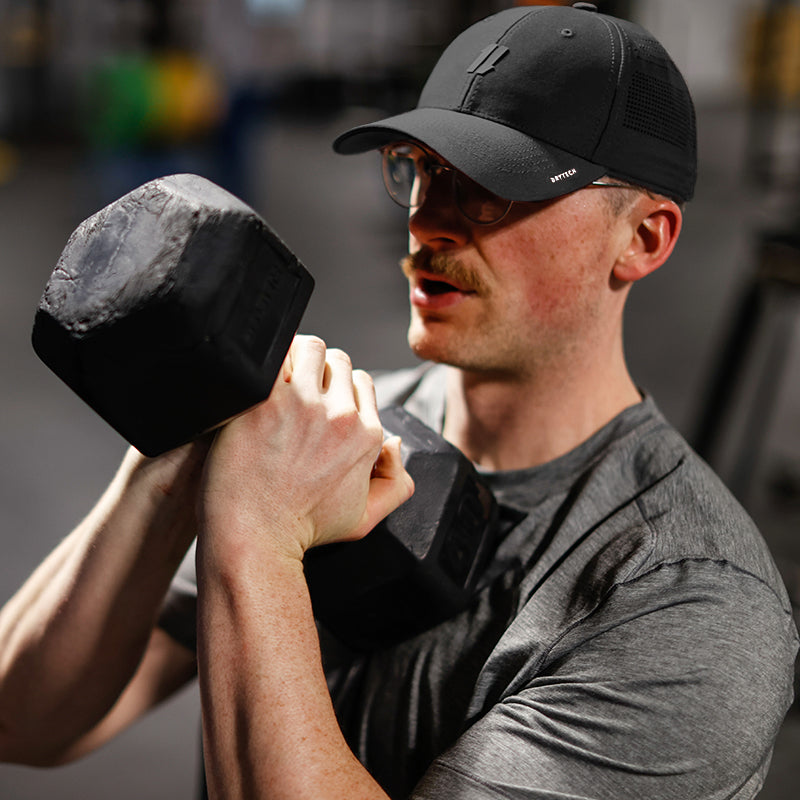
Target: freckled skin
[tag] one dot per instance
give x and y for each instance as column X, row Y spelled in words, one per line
column 546, row 271
column 528, row 313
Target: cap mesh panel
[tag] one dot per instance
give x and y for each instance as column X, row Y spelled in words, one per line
column 654, row 107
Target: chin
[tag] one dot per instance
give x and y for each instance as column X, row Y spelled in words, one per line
column 438, row 350
column 427, row 343
column 423, row 351
column 465, row 353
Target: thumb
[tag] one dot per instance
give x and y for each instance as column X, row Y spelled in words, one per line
column 389, row 487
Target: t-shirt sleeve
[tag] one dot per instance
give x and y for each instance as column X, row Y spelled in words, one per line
column 669, row 689
column 178, row 616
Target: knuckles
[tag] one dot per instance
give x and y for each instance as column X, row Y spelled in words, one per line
column 339, row 356
column 348, row 425
column 318, row 414
column 309, row 341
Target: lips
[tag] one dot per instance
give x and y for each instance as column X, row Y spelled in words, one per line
column 433, row 293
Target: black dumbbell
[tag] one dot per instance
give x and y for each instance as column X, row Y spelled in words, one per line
column 171, row 310
column 422, row 564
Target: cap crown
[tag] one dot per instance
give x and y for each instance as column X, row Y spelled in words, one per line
column 595, row 86
column 533, row 103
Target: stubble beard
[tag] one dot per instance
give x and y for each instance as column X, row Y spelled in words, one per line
column 441, row 340
column 487, row 345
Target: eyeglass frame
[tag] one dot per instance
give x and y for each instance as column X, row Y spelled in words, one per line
column 433, row 168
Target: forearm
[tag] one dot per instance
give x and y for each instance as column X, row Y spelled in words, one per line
column 270, row 728
column 307, row 467
column 73, row 635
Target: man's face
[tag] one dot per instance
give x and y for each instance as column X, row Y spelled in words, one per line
column 511, row 297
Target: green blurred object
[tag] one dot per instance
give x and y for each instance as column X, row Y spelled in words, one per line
column 135, row 100
column 120, row 107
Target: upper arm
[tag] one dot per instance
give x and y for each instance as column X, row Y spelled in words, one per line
column 166, row 666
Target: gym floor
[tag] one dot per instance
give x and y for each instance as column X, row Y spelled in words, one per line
column 57, row 455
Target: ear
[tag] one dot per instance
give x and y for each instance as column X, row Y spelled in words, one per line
column 656, row 226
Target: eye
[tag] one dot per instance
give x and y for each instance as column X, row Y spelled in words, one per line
column 401, row 169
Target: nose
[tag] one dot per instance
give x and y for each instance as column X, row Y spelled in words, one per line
column 437, row 223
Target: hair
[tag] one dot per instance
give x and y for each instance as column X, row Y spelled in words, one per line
column 620, row 200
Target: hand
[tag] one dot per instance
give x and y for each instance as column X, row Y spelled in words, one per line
column 174, row 474
column 306, row 467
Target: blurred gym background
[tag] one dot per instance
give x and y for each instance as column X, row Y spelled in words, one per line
column 98, row 96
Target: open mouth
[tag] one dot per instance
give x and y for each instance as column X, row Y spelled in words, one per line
column 430, row 294
column 433, row 288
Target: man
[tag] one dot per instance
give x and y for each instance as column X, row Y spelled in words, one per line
column 630, row 636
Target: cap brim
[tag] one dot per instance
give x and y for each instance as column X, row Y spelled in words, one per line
column 502, row 159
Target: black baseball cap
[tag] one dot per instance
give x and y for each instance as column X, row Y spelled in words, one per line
column 536, row 102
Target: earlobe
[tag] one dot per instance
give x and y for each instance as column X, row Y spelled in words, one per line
column 652, row 243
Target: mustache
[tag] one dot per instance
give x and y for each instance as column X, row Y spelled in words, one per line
column 446, row 267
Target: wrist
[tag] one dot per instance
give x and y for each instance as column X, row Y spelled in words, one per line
column 235, row 548
column 171, row 474
column 160, row 495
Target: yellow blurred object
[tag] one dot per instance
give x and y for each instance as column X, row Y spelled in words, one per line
column 188, row 97
column 9, row 159
column 772, row 56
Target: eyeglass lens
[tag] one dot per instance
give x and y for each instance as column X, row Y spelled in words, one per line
column 408, row 171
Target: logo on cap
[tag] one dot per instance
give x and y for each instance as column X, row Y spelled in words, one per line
column 563, row 176
column 487, row 58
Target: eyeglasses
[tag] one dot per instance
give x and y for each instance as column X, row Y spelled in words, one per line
column 612, row 185
column 408, row 172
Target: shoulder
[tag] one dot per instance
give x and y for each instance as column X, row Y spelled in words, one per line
column 646, row 527
column 655, row 489
column 394, row 387
column 691, row 515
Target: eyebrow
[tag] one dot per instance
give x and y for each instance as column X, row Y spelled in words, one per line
column 439, row 159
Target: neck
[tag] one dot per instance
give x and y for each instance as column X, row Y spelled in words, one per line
column 515, row 422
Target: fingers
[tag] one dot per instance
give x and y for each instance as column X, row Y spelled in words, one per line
column 366, row 401
column 314, row 367
column 305, row 363
column 287, row 368
column 390, row 485
column 326, row 420
column 337, row 381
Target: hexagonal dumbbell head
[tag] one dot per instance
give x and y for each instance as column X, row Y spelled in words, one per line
column 171, row 310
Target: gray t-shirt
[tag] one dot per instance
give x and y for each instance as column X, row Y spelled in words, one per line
column 631, row 637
